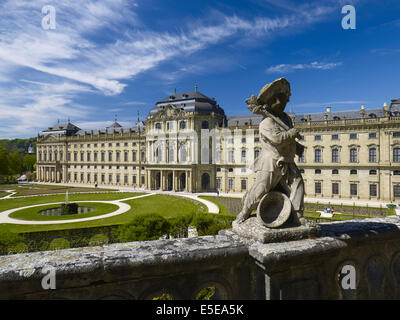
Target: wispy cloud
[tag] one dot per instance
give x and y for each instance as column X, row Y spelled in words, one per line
column 287, row 68
column 68, row 52
column 31, row 106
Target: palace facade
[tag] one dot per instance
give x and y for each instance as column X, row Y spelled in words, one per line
column 187, row 143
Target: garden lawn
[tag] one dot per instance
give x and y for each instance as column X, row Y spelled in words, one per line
column 32, row 213
column 164, row 205
column 222, row 208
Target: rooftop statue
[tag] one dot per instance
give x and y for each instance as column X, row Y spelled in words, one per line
column 278, row 192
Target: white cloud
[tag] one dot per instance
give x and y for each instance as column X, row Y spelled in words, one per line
column 68, row 52
column 286, row 68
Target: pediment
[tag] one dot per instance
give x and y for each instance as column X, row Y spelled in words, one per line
column 169, row 112
column 49, row 138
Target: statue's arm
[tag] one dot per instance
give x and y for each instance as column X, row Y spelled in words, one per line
column 274, row 134
column 299, row 149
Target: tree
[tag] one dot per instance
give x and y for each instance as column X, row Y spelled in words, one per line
column 4, row 161
column 29, row 162
column 15, row 163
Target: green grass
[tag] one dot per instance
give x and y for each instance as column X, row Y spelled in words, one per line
column 167, row 206
column 32, row 213
column 223, row 209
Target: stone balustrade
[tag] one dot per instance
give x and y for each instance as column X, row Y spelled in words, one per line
column 236, row 268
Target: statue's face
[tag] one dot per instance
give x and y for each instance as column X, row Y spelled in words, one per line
column 278, row 103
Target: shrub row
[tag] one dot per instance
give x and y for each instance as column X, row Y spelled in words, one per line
column 141, row 228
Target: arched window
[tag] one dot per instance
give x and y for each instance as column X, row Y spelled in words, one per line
column 335, row 155
column 372, row 154
column 372, row 172
column 256, row 153
column 396, row 154
column 183, row 154
column 353, row 155
column 158, row 126
column 353, row 171
column 318, row 155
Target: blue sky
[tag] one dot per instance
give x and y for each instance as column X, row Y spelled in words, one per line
column 118, row 57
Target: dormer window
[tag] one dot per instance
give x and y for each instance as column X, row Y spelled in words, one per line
column 336, row 118
column 171, row 97
column 372, row 115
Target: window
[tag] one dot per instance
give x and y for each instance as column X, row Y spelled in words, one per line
column 88, row 177
column 396, row 154
column 82, row 156
column 182, row 125
column 317, row 138
column 110, row 178
column 142, row 156
column 302, row 159
column 218, row 183
column 257, row 139
column 353, row 189
column 243, row 156
column 244, row 184
column 335, row 137
column 103, row 156
column 318, row 188
column 372, row 172
column 118, row 178
column 158, row 126
column 396, row 134
column 134, row 179
column 372, row 190
column 335, row 155
column 204, row 125
column 126, row 156
column 230, row 156
column 372, row 135
column 230, row 184
column 95, row 157
column 118, row 157
column 318, row 155
column 396, row 191
column 230, row 169
column 353, row 171
column 110, row 156
column 353, row 155
column 372, row 154
column 335, row 188
column 353, row 136
column 302, row 138
column 243, row 140
column 125, row 179
column 88, row 156
column 396, row 172
column 103, row 178
column 134, row 155
column 317, row 171
column 256, row 154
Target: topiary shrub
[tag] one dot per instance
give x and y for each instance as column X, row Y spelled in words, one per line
column 144, row 227
column 17, row 248
column 98, row 240
column 9, row 239
column 59, row 244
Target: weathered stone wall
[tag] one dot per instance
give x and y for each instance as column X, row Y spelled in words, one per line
column 305, row 269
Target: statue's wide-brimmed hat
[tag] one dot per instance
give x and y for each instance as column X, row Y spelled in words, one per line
column 279, row 86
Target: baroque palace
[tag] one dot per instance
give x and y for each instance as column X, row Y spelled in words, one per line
column 187, row 143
